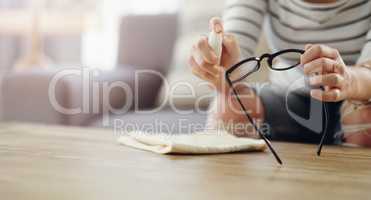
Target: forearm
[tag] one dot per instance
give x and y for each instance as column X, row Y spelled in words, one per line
column 361, row 82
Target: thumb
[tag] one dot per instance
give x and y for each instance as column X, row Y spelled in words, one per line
column 308, row 46
column 231, row 46
column 216, row 25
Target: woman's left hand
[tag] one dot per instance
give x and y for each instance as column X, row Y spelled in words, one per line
column 326, row 68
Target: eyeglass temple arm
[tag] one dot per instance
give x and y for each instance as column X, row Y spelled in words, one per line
column 324, row 136
column 257, row 129
column 321, row 144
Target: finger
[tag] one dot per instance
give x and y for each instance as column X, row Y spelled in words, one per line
column 320, row 65
column 216, row 25
column 332, row 80
column 197, row 56
column 231, row 46
column 198, row 71
column 211, row 69
column 360, row 138
column 333, row 95
column 318, row 51
column 192, row 63
column 198, row 60
column 206, row 53
column 308, row 46
column 203, row 75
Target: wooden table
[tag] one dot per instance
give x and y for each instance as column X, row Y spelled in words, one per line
column 39, row 162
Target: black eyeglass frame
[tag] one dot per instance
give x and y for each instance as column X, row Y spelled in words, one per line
column 258, row 60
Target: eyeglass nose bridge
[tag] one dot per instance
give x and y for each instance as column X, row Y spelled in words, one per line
column 266, row 56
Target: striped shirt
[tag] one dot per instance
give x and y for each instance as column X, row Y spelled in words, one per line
column 344, row 25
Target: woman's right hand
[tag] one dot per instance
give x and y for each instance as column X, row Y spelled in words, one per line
column 203, row 59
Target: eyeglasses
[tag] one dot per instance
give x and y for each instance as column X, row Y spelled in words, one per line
column 243, row 69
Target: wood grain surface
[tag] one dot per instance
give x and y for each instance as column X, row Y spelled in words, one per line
column 44, row 163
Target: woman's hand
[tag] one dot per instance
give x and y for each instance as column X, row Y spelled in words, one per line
column 326, row 68
column 356, row 124
column 203, row 59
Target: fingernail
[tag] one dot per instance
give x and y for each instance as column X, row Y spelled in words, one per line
column 218, row 28
column 198, row 60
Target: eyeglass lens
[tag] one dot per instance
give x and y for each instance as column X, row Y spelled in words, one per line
column 280, row 61
column 286, row 60
column 244, row 70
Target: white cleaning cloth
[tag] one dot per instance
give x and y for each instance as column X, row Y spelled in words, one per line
column 216, row 43
column 198, row 143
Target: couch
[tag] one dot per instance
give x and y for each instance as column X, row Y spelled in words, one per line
column 24, row 95
column 178, row 115
column 139, row 51
column 156, row 42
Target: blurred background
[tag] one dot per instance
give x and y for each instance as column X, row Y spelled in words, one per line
column 38, row 38
column 68, row 32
